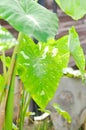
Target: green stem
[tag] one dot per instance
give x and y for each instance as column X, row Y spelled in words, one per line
column 9, row 105
column 9, row 86
column 8, row 77
column 21, row 111
column 4, row 71
column 4, row 63
column 26, row 106
column 10, row 98
column 23, row 108
column 14, row 59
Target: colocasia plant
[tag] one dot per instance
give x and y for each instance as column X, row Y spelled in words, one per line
column 39, row 66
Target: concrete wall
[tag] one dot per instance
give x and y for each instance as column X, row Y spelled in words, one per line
column 71, row 96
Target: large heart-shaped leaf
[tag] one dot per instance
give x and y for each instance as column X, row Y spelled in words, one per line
column 29, row 17
column 40, row 67
column 7, row 41
column 75, row 8
column 76, row 50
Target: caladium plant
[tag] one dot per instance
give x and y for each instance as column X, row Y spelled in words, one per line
column 39, row 65
column 30, row 18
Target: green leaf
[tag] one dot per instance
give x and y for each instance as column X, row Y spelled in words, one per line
column 30, row 18
column 7, row 41
column 75, row 8
column 7, row 60
column 76, row 50
column 28, row 114
column 40, row 67
column 63, row 113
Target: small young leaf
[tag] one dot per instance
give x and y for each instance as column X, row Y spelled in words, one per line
column 63, row 113
column 76, row 50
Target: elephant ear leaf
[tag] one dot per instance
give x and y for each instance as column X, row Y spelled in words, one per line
column 40, row 67
column 75, row 8
column 76, row 50
column 30, row 18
